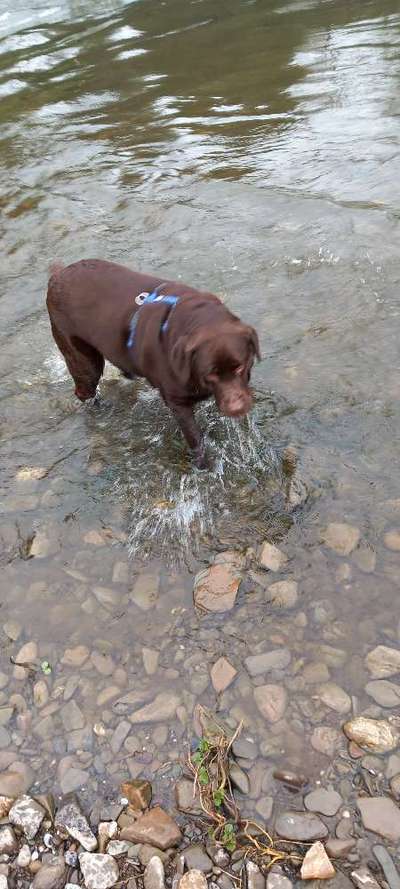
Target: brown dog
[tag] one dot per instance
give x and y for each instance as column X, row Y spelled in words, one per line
column 183, row 341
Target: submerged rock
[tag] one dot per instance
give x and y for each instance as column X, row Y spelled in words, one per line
column 376, row 735
column 155, row 827
column 384, row 693
column 380, row 815
column 271, row 701
column 326, row 802
column 271, row 557
column 383, row 662
column 300, row 826
column 334, row 697
column 257, row 664
column 340, row 537
column 222, row 674
column 326, row 739
column 283, row 593
column 161, row 709
column 316, row 864
column 216, row 587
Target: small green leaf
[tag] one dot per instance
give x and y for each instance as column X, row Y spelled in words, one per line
column 204, row 746
column 46, row 668
column 197, row 758
column 228, row 837
column 218, row 797
column 203, row 775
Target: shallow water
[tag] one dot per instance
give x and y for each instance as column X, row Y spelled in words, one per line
column 251, row 148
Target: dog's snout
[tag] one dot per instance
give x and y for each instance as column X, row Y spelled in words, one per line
column 236, row 404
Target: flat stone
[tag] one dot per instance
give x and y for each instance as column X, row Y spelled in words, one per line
column 72, row 717
column 388, row 866
column 216, row 588
column 138, row 793
column 239, row 778
column 326, row 740
column 334, row 697
column 264, row 807
column 75, row 657
column 257, row 664
column 99, row 871
column 222, row 674
column 364, row 879
column 325, row 802
column 375, row 735
column 283, row 594
column 339, row 848
column 193, row 879
column 300, row 826
column 392, row 539
column 12, row 629
column 245, row 748
column 277, row 880
column 380, row 815
column 197, row 859
column 384, row 693
column 27, row 815
column 383, row 662
column 161, row 709
column 153, row 877
column 24, row 856
column 150, row 660
column 145, row 591
column 340, row 537
column 40, row 694
column 271, row 701
column 255, row 879
column 119, row 735
column 185, row 800
column 71, row 819
column 73, row 779
column 155, row 827
column 103, row 663
column 52, row 875
column 316, row 864
column 271, row 557
column 8, row 841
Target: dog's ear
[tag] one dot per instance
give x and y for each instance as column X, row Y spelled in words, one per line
column 182, row 353
column 254, row 342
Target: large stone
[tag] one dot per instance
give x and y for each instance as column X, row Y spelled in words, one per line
column 222, row 674
column 72, row 717
column 8, row 841
column 153, row 877
column 392, row 539
column 271, row 557
column 138, row 792
column 73, row 779
column 376, row 735
column 75, row 657
column 380, row 815
column 99, row 871
column 383, row 662
column 255, row 879
column 283, row 593
column 388, row 866
column 193, row 879
column 155, row 827
column 52, row 875
column 340, row 537
column 339, row 848
column 334, row 697
column 27, row 815
column 216, row 587
column 257, row 664
column 316, row 864
column 362, row 878
column 70, row 819
column 300, row 826
column 161, row 709
column 326, row 739
column 325, row 802
column 197, row 859
column 185, row 800
column 271, row 701
column 384, row 693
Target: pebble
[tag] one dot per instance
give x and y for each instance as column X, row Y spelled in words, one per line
column 40, row 694
column 119, row 735
column 197, row 859
column 384, row 693
column 340, row 537
column 257, row 664
column 185, row 800
column 138, row 793
column 150, row 660
column 277, row 880
column 155, row 827
column 239, row 778
column 363, row 879
column 73, row 779
column 271, row 701
column 193, row 879
column 161, row 709
column 153, row 877
column 283, row 594
column 118, row 847
column 103, row 663
column 380, row 815
column 383, row 662
column 387, row 864
column 28, row 815
column 375, row 735
column 271, row 557
column 52, row 875
column 325, row 802
column 216, row 588
column 75, row 657
column 264, row 807
column 71, row 819
column 392, row 539
column 334, row 697
column 339, row 848
column 145, row 591
column 72, row 717
column 13, row 630
column 326, row 739
column 5, row 738
column 245, row 748
column 8, row 841
column 99, row 871
column 255, row 879
column 24, row 856
column 395, row 786
column 316, row 864
column 300, row 826
column 222, row 674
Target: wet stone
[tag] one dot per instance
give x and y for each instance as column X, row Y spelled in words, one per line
column 341, row 537
column 380, row 815
column 196, row 858
column 161, row 709
column 8, row 841
column 155, row 827
column 12, row 629
column 392, row 539
column 40, row 694
column 5, row 738
column 118, row 847
column 383, row 662
column 153, row 877
column 395, row 786
column 24, row 856
column 150, row 660
column 264, row 807
column 283, row 594
column 52, row 875
column 271, row 557
column 271, row 701
column 75, row 657
column 387, row 864
column 258, row 664
column 277, row 880
column 245, row 748
column 138, row 793
column 119, row 735
column 325, row 802
column 185, row 800
column 145, row 591
column 72, row 717
column 99, row 871
column 222, row 674
column 384, row 693
column 316, row 864
column 300, row 826
column 216, row 588
column 364, row 879
column 239, row 778
column 193, row 879
column 103, row 663
column 70, row 819
column 255, row 879
column 27, row 815
column 339, row 848
column 375, row 735
column 73, row 779
column 334, row 697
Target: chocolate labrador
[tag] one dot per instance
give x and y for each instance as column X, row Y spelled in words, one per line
column 185, row 342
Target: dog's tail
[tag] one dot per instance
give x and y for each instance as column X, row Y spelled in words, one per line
column 55, row 269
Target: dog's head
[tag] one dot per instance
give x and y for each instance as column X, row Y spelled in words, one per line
column 219, row 360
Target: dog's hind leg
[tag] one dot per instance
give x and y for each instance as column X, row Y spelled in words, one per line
column 84, row 363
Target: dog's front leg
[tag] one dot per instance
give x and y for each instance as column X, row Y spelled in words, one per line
column 192, row 432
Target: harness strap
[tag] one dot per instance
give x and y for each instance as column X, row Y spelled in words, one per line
column 146, row 299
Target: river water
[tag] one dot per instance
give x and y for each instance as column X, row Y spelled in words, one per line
column 251, row 148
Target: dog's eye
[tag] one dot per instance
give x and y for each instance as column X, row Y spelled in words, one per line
column 239, row 370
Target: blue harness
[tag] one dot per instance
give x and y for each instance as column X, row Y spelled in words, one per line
column 148, row 298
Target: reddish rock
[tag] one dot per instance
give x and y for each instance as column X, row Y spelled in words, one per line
column 155, row 827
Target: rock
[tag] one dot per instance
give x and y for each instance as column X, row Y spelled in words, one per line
column 334, row 697
column 383, row 662
column 271, row 557
column 257, row 664
column 325, row 802
column 215, row 588
column 245, row 748
column 153, row 877
column 340, row 537
column 393, row 765
column 283, row 594
column 27, row 815
column 392, row 539
column 339, row 848
column 12, row 629
column 73, row 779
column 222, row 674
column 40, row 694
column 380, row 815
column 326, row 739
column 24, row 856
column 107, row 597
column 52, row 875
column 271, row 701
column 3, row 879
column 365, row 559
column 387, row 864
column 239, row 778
column 145, row 853
column 138, row 793
column 103, row 663
column 118, row 847
column 395, row 786
column 5, row 805
column 376, row 735
column 8, row 841
column 155, row 827
column 185, row 800
column 291, row 779
column 197, row 859
column 316, row 864
column 363, row 879
column 99, row 871
column 193, row 879
column 72, row 717
column 75, row 657
column 384, row 693
column 161, row 709
column 106, row 831
column 70, row 818
column 150, row 660
column 145, row 591
column 107, row 694
column 15, row 782
column 300, row 826
column 5, row 738
column 119, row 735
column 277, row 880
column 264, row 807
column 255, row 879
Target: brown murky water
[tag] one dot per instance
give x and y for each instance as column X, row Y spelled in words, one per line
column 253, row 149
